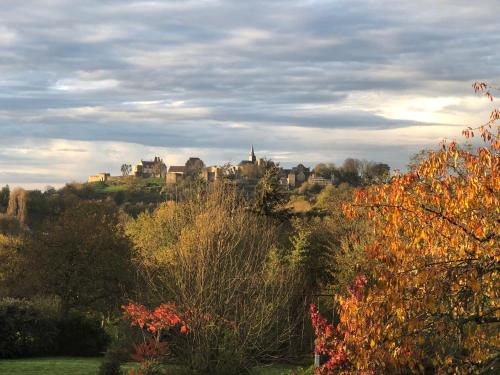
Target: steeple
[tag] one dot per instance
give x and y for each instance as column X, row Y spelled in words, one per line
column 251, row 156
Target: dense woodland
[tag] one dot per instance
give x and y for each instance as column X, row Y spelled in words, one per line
column 377, row 273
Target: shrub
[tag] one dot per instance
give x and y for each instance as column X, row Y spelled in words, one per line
column 110, row 365
column 25, row 330
column 80, row 335
column 150, row 367
column 123, row 337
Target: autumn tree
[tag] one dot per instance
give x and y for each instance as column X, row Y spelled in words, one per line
column 18, row 205
column 431, row 305
column 216, row 258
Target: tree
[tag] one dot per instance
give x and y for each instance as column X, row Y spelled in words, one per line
column 350, row 171
column 83, row 258
column 431, row 304
column 270, row 194
column 194, row 167
column 11, row 247
column 325, row 170
column 126, row 169
column 374, row 173
column 18, row 205
column 211, row 256
column 4, row 198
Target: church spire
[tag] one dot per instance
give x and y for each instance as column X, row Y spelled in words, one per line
column 251, row 156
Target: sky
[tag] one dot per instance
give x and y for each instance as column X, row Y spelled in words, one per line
column 86, row 86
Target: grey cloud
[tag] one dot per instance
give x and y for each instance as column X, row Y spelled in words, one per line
column 262, row 64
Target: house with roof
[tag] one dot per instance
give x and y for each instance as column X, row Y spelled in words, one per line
column 315, row 179
column 296, row 176
column 150, row 168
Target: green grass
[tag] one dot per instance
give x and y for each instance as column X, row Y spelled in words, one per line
column 114, row 188
column 89, row 366
column 279, row 370
column 50, row 366
column 127, row 184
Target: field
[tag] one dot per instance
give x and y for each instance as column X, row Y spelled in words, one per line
column 89, row 366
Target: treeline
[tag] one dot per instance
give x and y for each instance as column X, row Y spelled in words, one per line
column 354, row 172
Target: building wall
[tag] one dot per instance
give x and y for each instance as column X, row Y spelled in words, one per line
column 100, row 177
column 173, row 177
column 321, row 181
column 211, row 173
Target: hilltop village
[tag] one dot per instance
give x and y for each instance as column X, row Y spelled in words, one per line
column 247, row 171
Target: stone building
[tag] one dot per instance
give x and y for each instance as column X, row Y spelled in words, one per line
column 296, row 176
column 315, row 179
column 212, row 173
column 175, row 174
column 148, row 168
column 100, row 177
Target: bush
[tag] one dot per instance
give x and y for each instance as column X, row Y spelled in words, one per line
column 150, row 367
column 25, row 330
column 122, row 339
column 110, row 365
column 80, row 335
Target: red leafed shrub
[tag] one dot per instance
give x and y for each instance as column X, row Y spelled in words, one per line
column 330, row 339
column 152, row 323
column 150, row 349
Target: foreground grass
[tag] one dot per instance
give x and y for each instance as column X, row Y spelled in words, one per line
column 50, row 366
column 89, row 366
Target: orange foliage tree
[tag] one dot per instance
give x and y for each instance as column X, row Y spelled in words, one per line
column 432, row 305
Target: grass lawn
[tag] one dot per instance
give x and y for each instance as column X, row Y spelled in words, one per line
column 53, row 366
column 88, row 366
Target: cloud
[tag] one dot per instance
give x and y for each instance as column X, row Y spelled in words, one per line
column 304, row 80
column 7, row 36
column 72, row 84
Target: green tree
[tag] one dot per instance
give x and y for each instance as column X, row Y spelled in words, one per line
column 4, row 198
column 83, row 258
column 10, row 263
column 325, row 170
column 350, row 171
column 126, row 169
column 374, row 173
column 194, row 167
column 270, row 194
